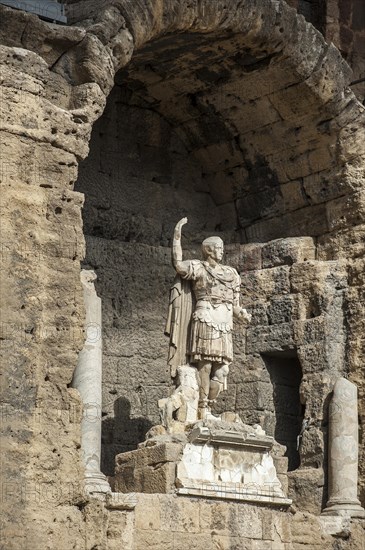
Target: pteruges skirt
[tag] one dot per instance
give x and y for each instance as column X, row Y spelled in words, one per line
column 207, row 343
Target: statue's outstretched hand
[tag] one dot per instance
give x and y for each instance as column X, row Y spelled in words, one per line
column 243, row 316
column 178, row 227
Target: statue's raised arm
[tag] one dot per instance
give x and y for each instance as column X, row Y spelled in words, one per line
column 176, row 248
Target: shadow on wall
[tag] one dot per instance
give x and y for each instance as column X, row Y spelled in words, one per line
column 121, row 433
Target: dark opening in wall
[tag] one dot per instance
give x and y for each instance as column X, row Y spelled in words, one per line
column 315, row 12
column 285, row 374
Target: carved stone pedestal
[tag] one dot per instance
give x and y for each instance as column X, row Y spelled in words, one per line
column 230, row 462
column 223, row 460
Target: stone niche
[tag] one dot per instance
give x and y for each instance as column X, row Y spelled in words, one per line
column 161, row 151
column 293, row 350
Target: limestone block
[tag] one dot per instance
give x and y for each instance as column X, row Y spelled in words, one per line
column 357, row 273
column 312, row 447
column 259, row 205
column 313, row 357
column 281, row 464
column 196, row 542
column 306, row 488
column 264, row 283
column 251, row 527
column 336, row 526
column 269, row 339
column 227, row 216
column 321, row 384
column 148, row 469
column 284, row 481
column 120, row 501
column 306, row 531
column 214, row 515
column 241, row 117
column 342, row 243
column 227, row 542
column 150, row 455
column 345, row 211
column 310, row 220
column 259, row 312
column 255, row 395
column 219, row 155
column 285, row 309
column 33, row 165
column 286, row 101
column 158, row 479
column 248, row 368
column 226, row 401
column 293, row 197
column 288, row 251
column 120, row 530
column 328, row 185
column 179, row 515
column 147, row 513
column 317, row 277
column 311, row 331
column 155, row 540
column 244, row 257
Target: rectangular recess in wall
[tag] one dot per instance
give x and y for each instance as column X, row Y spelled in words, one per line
column 285, row 375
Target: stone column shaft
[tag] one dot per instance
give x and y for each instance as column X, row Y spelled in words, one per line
column 87, row 380
column 343, row 452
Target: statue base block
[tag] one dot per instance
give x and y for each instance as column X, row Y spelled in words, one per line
column 212, row 459
column 229, row 461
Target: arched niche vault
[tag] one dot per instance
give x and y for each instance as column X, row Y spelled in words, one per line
column 255, row 99
column 258, row 127
column 254, row 93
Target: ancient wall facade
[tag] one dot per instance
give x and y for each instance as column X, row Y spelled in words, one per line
column 243, row 121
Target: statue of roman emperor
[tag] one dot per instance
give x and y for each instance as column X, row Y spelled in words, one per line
column 204, row 299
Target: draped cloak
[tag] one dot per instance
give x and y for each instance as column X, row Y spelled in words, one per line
column 181, row 306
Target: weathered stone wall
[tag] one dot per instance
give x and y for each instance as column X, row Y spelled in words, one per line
column 42, row 308
column 343, row 23
column 54, row 85
column 172, row 522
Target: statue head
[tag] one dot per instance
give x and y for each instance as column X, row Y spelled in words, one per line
column 213, row 246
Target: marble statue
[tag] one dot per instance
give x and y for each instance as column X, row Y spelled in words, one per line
column 203, row 301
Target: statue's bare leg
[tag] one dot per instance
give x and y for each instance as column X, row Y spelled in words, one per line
column 204, row 370
column 219, row 380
